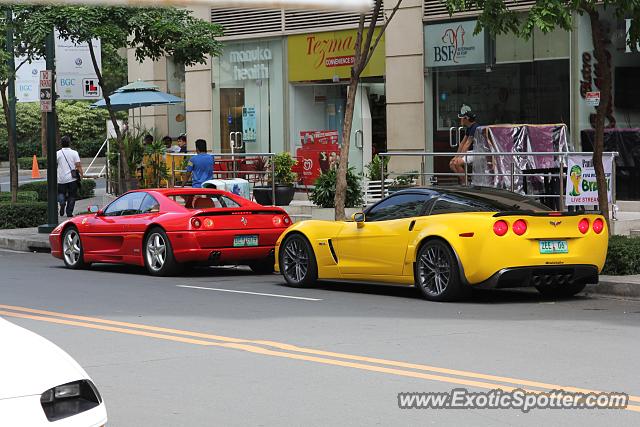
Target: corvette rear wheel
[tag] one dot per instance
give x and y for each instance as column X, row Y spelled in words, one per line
column 298, row 262
column 158, row 254
column 436, row 272
column 72, row 251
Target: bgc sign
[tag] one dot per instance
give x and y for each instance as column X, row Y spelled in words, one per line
column 453, row 43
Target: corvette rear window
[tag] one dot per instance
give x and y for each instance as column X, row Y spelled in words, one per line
column 481, row 202
column 204, row 201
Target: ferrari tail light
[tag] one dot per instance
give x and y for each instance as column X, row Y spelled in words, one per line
column 281, row 220
column 196, row 223
column 208, row 223
column 583, row 225
column 500, row 227
column 277, row 221
column 598, row 225
column 519, row 227
column 287, row 220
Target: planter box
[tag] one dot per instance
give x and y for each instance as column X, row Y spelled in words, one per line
column 284, row 195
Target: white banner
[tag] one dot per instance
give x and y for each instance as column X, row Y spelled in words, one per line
column 581, row 186
column 75, row 76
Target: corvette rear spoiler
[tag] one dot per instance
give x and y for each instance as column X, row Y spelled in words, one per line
column 551, row 213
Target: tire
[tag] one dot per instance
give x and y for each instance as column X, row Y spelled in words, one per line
column 264, row 266
column 158, row 254
column 436, row 273
column 562, row 291
column 72, row 250
column 298, row 262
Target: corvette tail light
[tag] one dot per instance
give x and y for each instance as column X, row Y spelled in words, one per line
column 583, row 225
column 598, row 225
column 519, row 227
column 500, row 228
column 208, row 223
column 196, row 223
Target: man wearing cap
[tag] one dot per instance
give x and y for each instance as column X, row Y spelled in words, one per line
column 468, row 120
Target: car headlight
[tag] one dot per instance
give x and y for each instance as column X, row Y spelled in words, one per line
column 69, row 399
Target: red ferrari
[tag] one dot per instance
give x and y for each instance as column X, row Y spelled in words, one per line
column 162, row 229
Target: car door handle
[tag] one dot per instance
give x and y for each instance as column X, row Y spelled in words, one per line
column 412, row 224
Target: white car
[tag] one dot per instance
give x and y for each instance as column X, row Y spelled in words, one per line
column 41, row 385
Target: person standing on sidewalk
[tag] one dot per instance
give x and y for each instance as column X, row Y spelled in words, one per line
column 200, row 166
column 69, row 174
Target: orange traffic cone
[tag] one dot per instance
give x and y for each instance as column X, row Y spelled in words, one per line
column 35, row 169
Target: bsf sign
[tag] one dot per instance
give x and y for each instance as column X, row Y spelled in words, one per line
column 453, row 44
column 46, row 82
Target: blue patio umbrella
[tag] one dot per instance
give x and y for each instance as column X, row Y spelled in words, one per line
column 127, row 99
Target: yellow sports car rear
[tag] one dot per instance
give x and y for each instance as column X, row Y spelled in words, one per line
column 447, row 240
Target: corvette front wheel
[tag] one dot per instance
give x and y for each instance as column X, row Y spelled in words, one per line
column 436, row 272
column 298, row 262
column 158, row 254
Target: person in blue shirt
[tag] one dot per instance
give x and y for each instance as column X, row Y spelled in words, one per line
column 459, row 162
column 200, row 167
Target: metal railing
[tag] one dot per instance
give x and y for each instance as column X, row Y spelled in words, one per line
column 104, row 169
column 234, row 172
column 561, row 159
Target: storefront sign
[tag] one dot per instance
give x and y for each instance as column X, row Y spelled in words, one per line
column 592, row 99
column 452, row 44
column 581, row 186
column 251, row 63
column 249, row 124
column 329, row 56
column 319, row 153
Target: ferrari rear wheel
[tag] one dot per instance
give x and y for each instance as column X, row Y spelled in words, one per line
column 436, row 272
column 158, row 254
column 264, row 266
column 72, row 251
column 298, row 262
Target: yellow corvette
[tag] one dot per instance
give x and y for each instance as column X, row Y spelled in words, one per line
column 446, row 241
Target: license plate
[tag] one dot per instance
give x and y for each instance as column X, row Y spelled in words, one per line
column 246, row 240
column 554, row 247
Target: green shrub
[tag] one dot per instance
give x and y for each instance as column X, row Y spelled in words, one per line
column 373, row 168
column 23, row 196
column 27, row 162
column 40, row 187
column 24, row 148
column 21, row 215
column 623, row 256
column 325, row 189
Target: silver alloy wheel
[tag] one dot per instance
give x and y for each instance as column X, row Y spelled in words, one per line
column 156, row 251
column 71, row 247
column 295, row 260
column 434, row 270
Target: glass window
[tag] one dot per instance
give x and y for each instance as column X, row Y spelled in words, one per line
column 204, row 201
column 149, row 205
column 129, row 204
column 497, row 201
column 397, row 207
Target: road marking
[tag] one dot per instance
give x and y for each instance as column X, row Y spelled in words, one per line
column 253, row 346
column 250, row 293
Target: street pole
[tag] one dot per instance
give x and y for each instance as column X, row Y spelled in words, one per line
column 52, row 167
column 11, row 88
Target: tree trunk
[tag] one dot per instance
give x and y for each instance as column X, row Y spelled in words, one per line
column 124, row 165
column 13, row 159
column 604, row 71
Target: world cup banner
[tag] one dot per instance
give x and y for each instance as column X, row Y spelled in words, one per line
column 581, row 186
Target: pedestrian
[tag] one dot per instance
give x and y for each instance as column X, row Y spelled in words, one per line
column 200, row 167
column 69, row 174
column 468, row 119
column 182, row 143
column 148, row 139
column 167, row 142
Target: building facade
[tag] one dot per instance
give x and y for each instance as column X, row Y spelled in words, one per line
column 281, row 83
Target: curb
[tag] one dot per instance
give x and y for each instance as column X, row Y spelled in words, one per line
column 621, row 289
column 24, row 245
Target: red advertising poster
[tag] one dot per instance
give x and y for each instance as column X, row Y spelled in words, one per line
column 318, row 153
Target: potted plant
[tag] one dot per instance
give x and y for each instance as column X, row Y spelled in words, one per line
column 284, row 180
column 373, row 168
column 324, row 191
column 403, row 181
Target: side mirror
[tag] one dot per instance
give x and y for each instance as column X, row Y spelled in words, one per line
column 94, row 209
column 358, row 217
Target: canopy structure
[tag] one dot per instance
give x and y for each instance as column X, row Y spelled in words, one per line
column 138, row 94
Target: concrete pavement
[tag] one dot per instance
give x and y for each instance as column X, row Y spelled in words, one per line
column 338, row 357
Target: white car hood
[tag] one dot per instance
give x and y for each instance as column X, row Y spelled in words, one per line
column 31, row 364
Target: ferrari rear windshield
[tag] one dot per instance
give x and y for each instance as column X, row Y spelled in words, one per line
column 204, row 201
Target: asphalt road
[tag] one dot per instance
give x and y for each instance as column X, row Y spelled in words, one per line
column 165, row 352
